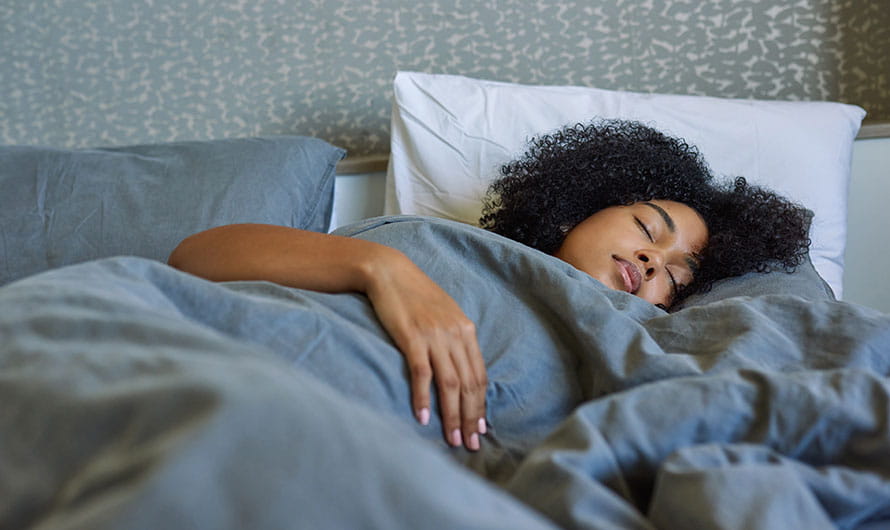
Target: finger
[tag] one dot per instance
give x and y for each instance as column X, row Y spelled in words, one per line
column 448, row 383
column 472, row 397
column 421, row 376
column 480, row 376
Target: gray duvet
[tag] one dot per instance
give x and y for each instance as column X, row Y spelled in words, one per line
column 133, row 395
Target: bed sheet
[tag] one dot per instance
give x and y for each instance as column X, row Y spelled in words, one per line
column 135, row 392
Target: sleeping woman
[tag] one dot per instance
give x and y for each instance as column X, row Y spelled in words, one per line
column 635, row 209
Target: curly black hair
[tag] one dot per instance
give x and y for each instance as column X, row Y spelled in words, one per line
column 566, row 176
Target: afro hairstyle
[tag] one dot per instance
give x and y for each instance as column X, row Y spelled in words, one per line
column 566, row 176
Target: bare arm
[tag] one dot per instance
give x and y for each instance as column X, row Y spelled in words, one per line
column 436, row 338
column 288, row 256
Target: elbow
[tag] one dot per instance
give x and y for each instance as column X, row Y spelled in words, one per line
column 178, row 259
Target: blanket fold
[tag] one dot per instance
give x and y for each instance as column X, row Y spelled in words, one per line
column 137, row 395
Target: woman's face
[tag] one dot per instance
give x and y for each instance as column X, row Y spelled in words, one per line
column 648, row 249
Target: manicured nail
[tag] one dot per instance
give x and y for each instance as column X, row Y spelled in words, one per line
column 455, row 437
column 424, row 416
column 474, row 442
column 483, row 427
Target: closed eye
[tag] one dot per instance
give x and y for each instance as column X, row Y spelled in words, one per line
column 644, row 229
column 674, row 288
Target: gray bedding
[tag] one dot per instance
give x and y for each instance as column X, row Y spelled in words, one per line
column 136, row 396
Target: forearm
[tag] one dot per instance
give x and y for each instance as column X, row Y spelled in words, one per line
column 426, row 324
column 288, row 256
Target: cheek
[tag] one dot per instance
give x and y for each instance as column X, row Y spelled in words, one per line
column 656, row 292
column 593, row 268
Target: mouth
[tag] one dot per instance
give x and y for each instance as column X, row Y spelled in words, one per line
column 630, row 275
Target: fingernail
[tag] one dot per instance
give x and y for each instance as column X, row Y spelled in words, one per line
column 455, row 437
column 474, row 442
column 483, row 427
column 424, row 416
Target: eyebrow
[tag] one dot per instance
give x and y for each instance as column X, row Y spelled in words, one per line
column 668, row 220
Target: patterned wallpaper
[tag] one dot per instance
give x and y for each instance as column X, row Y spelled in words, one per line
column 98, row 72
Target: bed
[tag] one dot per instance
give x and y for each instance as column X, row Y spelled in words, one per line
column 138, row 396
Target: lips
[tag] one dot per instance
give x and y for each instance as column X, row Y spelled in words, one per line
column 630, row 275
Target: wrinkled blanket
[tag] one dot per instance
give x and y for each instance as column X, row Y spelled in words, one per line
column 134, row 395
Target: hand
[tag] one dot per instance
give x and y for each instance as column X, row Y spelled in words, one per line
column 427, row 325
column 438, row 341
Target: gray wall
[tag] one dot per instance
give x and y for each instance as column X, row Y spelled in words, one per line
column 89, row 72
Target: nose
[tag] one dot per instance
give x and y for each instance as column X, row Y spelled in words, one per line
column 652, row 260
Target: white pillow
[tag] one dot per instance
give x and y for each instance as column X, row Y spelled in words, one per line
column 451, row 134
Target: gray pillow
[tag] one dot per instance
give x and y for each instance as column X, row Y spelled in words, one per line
column 804, row 282
column 59, row 207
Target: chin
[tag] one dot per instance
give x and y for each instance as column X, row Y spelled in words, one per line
column 615, row 286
